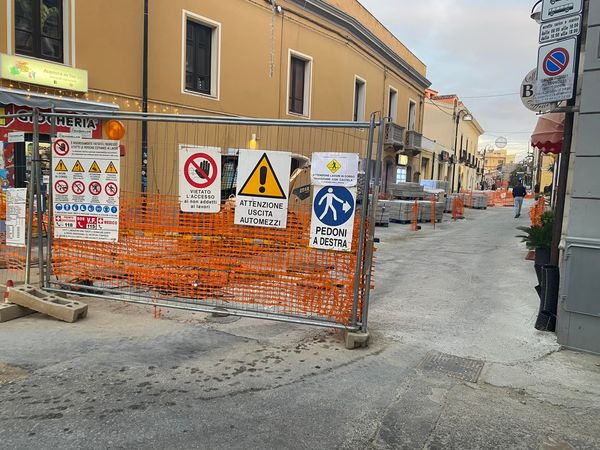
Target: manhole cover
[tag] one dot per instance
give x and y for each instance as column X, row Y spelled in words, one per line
column 453, row 366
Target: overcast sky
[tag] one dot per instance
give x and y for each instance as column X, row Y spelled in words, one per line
column 472, row 48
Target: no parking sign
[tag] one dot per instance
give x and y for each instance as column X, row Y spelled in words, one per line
column 556, row 71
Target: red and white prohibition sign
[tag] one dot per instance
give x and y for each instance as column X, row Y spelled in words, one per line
column 78, row 187
column 61, row 187
column 200, row 170
column 95, row 188
column 61, row 147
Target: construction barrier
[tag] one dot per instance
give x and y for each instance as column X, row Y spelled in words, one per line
column 165, row 257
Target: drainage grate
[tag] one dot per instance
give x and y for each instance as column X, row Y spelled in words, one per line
column 453, row 366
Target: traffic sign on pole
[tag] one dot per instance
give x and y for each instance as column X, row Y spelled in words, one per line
column 556, row 71
column 556, row 9
column 560, row 29
column 332, row 224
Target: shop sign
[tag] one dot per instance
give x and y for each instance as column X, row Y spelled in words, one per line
column 43, row 73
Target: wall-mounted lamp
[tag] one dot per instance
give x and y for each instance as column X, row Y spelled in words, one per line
column 536, row 12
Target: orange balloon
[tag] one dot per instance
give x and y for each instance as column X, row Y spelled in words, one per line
column 114, row 129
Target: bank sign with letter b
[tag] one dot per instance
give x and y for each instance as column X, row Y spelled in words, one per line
column 332, row 224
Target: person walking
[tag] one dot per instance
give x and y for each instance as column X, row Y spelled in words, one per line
column 519, row 192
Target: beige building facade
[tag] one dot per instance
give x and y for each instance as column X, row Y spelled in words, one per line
column 289, row 59
column 455, row 131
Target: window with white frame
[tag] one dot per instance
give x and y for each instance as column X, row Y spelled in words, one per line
column 201, row 55
column 393, row 105
column 360, row 99
column 300, row 69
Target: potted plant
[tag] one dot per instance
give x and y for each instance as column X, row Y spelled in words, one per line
column 539, row 238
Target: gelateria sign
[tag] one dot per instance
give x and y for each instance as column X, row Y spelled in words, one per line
column 34, row 71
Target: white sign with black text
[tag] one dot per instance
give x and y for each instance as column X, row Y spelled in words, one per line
column 16, row 201
column 528, row 90
column 560, row 29
column 86, row 188
column 556, row 9
column 334, row 169
column 199, row 179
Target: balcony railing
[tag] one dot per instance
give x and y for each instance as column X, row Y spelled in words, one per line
column 394, row 136
column 414, row 142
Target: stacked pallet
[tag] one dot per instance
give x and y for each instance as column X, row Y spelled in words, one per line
column 426, row 208
column 407, row 191
column 438, row 194
column 382, row 216
column 436, row 184
column 399, row 211
column 450, row 201
column 476, row 200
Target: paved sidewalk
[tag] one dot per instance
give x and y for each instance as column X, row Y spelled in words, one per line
column 121, row 379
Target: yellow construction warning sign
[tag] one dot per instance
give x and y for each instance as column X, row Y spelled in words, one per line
column 334, row 166
column 78, row 167
column 111, row 168
column 61, row 167
column 95, row 168
column 263, row 181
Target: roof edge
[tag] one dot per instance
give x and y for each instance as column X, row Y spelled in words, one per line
column 353, row 26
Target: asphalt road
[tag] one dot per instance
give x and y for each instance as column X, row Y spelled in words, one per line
column 122, row 379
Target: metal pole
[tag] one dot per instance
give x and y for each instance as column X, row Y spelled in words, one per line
column 455, row 155
column 363, row 221
column 30, row 186
column 371, row 241
column 40, row 207
column 144, row 168
column 50, row 231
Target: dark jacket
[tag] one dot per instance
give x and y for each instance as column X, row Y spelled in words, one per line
column 519, row 191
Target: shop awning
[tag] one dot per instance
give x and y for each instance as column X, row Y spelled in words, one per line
column 549, row 133
column 45, row 101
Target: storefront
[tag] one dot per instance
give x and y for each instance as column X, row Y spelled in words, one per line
column 16, row 133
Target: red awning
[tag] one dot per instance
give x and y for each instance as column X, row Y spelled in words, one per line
column 549, row 133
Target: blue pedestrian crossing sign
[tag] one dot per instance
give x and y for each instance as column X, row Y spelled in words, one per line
column 332, row 223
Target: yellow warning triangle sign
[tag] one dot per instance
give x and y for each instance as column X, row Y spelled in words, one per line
column 263, row 181
column 78, row 167
column 111, row 168
column 95, row 168
column 61, row 167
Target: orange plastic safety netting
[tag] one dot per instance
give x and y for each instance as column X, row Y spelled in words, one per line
column 166, row 254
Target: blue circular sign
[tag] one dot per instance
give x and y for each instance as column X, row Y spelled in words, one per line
column 67, row 207
column 99, row 209
column 90, row 208
column 334, row 205
column 59, row 207
column 113, row 210
column 75, row 208
column 106, row 209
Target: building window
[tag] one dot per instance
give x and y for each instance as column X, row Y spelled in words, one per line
column 360, row 99
column 412, row 115
column 393, row 105
column 39, row 29
column 401, row 175
column 199, row 57
column 299, row 85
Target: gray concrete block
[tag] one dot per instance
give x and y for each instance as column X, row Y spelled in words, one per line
column 586, row 183
column 587, row 136
column 356, row 340
column 46, row 303
column 590, row 102
column 9, row 311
